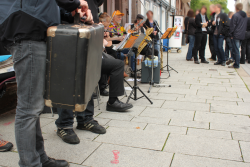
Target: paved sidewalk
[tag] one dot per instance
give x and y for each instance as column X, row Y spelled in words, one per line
column 202, row 120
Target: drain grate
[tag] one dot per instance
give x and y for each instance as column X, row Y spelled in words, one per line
column 213, row 70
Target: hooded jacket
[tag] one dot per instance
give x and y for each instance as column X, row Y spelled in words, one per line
column 30, row 19
column 238, row 25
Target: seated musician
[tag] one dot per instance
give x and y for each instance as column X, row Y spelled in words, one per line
column 137, row 27
column 115, row 27
column 111, row 67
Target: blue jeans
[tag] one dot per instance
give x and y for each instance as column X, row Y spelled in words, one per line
column 132, row 59
column 191, row 39
column 30, row 64
column 228, row 48
column 236, row 52
column 66, row 117
column 218, row 46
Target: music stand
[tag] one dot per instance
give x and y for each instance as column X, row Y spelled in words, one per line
column 167, row 35
column 136, row 87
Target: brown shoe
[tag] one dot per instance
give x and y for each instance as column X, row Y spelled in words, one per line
column 125, row 75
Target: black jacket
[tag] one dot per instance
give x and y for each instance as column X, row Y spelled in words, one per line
column 198, row 21
column 66, row 17
column 147, row 24
column 30, row 19
column 222, row 25
column 248, row 24
column 238, row 25
column 190, row 25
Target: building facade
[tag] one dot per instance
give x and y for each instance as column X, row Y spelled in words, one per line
column 163, row 9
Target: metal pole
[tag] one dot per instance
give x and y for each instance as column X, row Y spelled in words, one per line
column 130, row 11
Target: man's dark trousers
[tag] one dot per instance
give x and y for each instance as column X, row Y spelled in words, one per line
column 66, row 117
column 200, row 45
column 245, row 51
column 211, row 46
column 218, row 45
column 228, row 48
column 236, row 52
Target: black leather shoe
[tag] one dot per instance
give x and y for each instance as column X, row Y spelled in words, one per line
column 223, row 64
column 205, row 61
column 217, row 63
column 68, row 136
column 104, row 93
column 92, row 126
column 197, row 62
column 55, row 163
column 118, row 106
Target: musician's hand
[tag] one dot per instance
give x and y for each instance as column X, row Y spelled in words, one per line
column 84, row 5
column 155, row 32
column 105, row 43
column 121, row 38
column 89, row 18
column 73, row 13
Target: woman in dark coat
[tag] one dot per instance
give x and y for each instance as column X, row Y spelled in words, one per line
column 190, row 27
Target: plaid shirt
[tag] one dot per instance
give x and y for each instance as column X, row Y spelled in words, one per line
column 118, row 29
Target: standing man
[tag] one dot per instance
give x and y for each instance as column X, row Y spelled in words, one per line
column 23, row 27
column 228, row 47
column 201, row 22
column 220, row 24
column 211, row 34
column 245, row 46
column 238, row 26
column 151, row 23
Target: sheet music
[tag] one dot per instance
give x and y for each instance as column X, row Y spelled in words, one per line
column 122, row 43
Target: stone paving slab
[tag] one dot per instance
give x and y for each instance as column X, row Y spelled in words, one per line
column 9, row 159
column 72, row 153
column 202, row 146
column 209, row 133
column 121, row 156
column 151, row 120
column 222, row 118
column 167, row 113
column 241, row 136
column 245, row 147
column 237, row 110
column 126, row 124
column 166, row 129
column 186, row 106
column 134, row 138
column 228, row 127
column 217, row 93
column 181, row 160
column 192, row 124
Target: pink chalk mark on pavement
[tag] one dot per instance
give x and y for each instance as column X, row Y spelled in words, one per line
column 116, row 157
column 8, row 123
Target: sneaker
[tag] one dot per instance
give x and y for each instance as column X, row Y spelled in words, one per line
column 92, row 126
column 5, row 145
column 104, row 93
column 230, row 61
column 55, row 163
column 118, row 106
column 68, row 136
